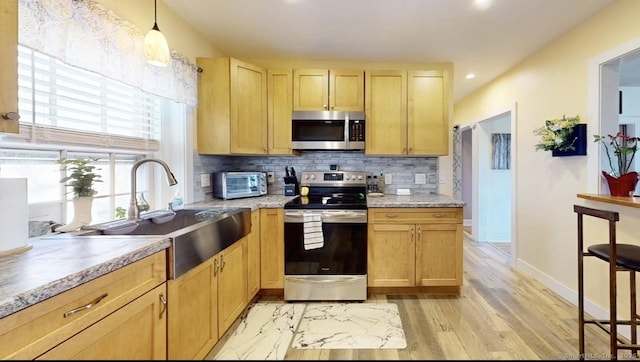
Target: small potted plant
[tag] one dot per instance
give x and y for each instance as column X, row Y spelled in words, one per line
column 621, row 181
column 81, row 179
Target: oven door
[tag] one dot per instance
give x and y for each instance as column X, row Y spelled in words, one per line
column 337, row 269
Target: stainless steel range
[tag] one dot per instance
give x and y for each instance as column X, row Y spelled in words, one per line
column 325, row 237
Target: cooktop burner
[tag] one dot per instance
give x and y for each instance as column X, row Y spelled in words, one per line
column 331, row 190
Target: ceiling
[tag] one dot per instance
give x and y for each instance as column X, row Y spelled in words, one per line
column 485, row 39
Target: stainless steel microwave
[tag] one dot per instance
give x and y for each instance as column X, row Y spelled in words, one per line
column 238, row 184
column 327, row 130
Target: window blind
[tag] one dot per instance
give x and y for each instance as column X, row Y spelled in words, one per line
column 64, row 105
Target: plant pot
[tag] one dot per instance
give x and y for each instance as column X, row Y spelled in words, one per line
column 623, row 185
column 82, row 214
column 579, row 132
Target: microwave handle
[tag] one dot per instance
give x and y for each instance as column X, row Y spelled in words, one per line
column 347, row 129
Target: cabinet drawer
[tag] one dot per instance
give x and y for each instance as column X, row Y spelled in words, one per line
column 415, row 215
column 34, row 330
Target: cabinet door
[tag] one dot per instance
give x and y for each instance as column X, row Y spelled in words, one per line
column 253, row 256
column 137, row 331
column 213, row 122
column 271, row 248
column 391, row 255
column 248, row 106
column 310, row 89
column 386, row 112
column 279, row 108
column 193, row 312
column 346, row 90
column 439, row 255
column 9, row 64
column 232, row 284
column 427, row 120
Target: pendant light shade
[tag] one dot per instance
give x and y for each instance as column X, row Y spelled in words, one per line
column 156, row 48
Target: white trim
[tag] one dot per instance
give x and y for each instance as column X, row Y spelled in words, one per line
column 595, row 108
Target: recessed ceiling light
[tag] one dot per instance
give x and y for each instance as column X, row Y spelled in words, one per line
column 470, row 76
column 482, row 4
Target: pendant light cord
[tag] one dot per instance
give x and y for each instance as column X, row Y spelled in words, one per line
column 155, row 15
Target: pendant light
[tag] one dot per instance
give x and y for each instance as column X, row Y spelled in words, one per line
column 156, row 48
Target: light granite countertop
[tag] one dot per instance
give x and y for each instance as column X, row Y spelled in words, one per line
column 426, row 200
column 58, row 262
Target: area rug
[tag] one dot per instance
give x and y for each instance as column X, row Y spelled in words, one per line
column 350, row 326
column 264, row 332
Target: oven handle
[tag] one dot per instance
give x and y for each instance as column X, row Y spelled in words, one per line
column 341, row 216
column 318, row 279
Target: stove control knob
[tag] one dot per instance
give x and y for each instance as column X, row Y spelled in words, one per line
column 313, row 177
column 359, row 177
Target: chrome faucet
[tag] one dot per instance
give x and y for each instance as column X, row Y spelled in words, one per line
column 134, row 210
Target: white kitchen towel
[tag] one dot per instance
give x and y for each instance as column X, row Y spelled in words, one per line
column 313, row 238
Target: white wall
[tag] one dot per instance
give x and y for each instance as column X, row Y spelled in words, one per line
column 552, row 82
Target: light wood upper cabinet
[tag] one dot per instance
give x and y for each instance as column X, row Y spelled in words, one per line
column 279, row 108
column 386, row 112
column 407, row 113
column 334, row 90
column 427, row 114
column 232, row 107
column 9, row 66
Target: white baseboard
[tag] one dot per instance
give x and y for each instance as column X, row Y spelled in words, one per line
column 568, row 294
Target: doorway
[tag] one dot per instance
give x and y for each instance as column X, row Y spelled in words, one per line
column 485, row 162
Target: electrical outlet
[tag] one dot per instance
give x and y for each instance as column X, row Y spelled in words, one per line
column 421, row 179
column 205, row 180
column 388, row 179
column 271, row 177
column 441, row 178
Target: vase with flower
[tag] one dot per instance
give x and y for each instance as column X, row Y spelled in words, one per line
column 622, row 148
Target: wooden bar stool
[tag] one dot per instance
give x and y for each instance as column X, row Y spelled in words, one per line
column 627, row 259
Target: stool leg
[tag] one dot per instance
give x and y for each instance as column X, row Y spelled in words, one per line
column 633, row 319
column 580, row 290
column 613, row 310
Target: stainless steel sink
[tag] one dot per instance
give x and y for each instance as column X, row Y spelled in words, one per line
column 196, row 234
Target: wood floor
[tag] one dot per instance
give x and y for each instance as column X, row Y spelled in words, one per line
column 504, row 247
column 500, row 314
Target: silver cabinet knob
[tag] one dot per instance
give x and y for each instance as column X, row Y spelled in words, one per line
column 11, row 116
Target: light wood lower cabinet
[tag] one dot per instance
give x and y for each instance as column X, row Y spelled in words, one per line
column 102, row 315
column 205, row 301
column 232, row 284
column 415, row 247
column 253, row 256
column 137, row 331
column 272, row 248
column 193, row 312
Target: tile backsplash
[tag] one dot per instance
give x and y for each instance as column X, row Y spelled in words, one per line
column 403, row 169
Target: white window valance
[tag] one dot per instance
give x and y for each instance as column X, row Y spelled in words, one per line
column 86, row 34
